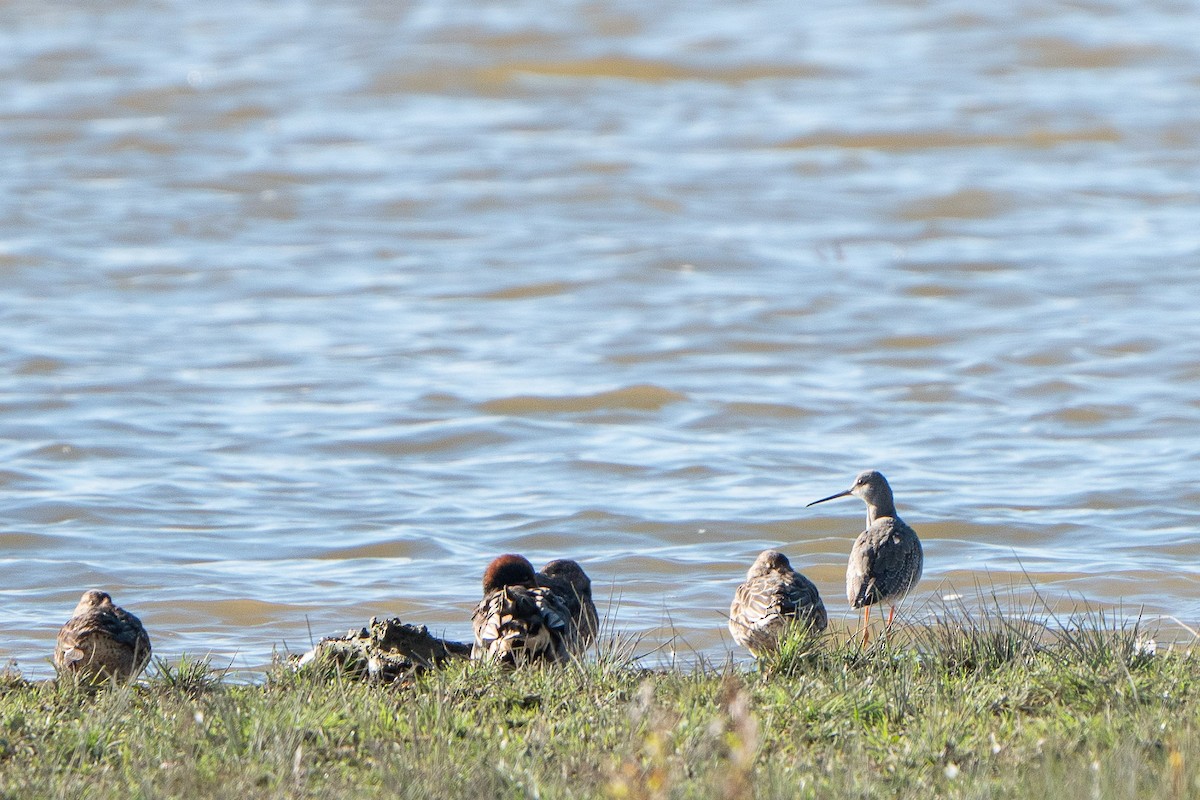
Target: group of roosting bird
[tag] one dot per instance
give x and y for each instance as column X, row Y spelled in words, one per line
column 548, row 616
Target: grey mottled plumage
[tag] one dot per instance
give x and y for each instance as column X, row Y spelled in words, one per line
column 101, row 642
column 773, row 597
column 517, row 622
column 572, row 585
column 886, row 560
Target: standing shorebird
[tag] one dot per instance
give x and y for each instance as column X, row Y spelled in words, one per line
column 517, row 622
column 773, row 597
column 886, row 560
column 101, row 642
column 572, row 585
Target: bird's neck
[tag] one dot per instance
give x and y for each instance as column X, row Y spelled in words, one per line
column 876, row 512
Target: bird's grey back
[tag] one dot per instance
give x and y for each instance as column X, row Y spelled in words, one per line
column 885, row 563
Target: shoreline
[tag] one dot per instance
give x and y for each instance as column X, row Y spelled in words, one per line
column 973, row 707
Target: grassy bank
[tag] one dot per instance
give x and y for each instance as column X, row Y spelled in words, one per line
column 972, row 708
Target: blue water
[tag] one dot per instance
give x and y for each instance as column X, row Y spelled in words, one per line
column 308, row 312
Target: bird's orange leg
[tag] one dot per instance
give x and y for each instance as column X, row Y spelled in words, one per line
column 866, row 625
column 891, row 613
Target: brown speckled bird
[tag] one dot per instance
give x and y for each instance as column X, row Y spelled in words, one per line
column 886, row 561
column 773, row 597
column 101, row 642
column 517, row 622
column 572, row 585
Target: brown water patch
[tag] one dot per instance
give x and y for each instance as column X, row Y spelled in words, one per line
column 1054, row 52
column 399, row 446
column 1177, row 137
column 39, row 366
column 162, row 278
column 12, row 262
column 652, row 70
column 934, row 290
column 611, row 468
column 760, row 346
column 674, row 354
column 689, row 532
column 1043, row 358
column 830, row 575
column 979, row 369
column 441, row 400
column 235, row 612
column 1186, row 548
column 966, row 204
column 556, row 545
column 55, row 66
column 931, row 393
column 765, row 410
column 1048, row 389
column 257, row 180
column 1106, row 500
column 13, row 478
column 12, row 542
column 154, row 101
column 696, row 473
column 1095, row 414
column 529, row 40
column 901, row 141
column 500, row 76
column 665, row 205
column 1130, row 347
column 591, row 515
column 913, row 342
column 402, row 208
column 242, row 115
column 62, row 451
column 942, row 267
column 546, row 289
column 424, row 548
column 133, row 143
column 910, row 362
column 606, row 167
column 643, row 397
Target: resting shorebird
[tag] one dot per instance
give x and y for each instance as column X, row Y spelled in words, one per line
column 773, row 597
column 517, row 622
column 101, row 642
column 568, row 580
column 886, row 560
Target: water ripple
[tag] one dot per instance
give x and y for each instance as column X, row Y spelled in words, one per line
column 289, row 347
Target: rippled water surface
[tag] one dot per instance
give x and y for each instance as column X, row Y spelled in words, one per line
column 309, row 309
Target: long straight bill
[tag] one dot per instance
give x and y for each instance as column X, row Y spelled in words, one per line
column 831, row 497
